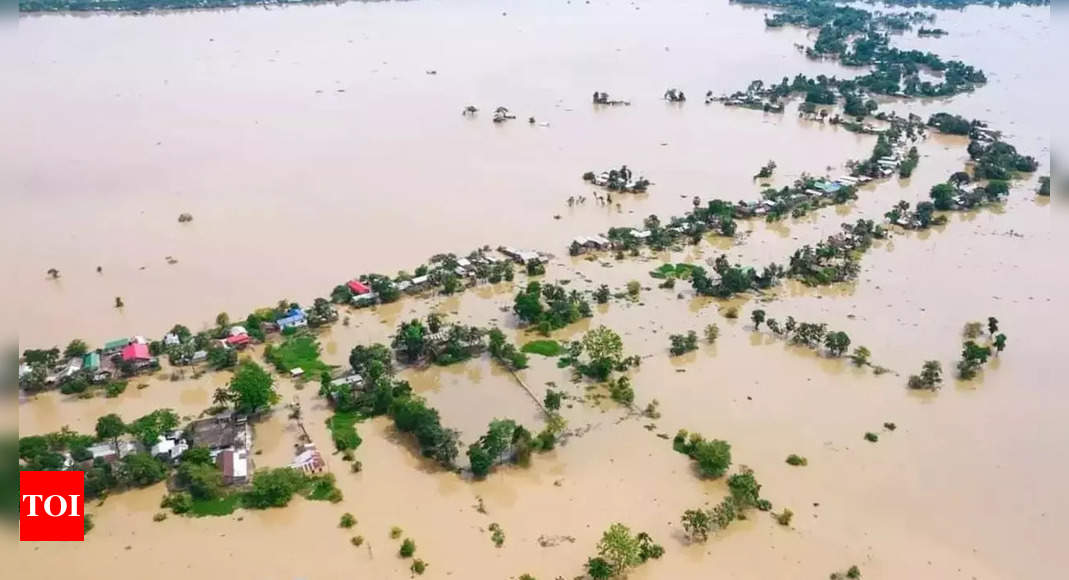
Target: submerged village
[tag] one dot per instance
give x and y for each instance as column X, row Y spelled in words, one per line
column 545, row 334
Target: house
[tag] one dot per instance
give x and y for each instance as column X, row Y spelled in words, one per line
column 171, row 339
column 812, row 191
column 404, row 285
column 464, row 263
column 526, row 257
column 113, row 347
column 199, row 356
column 237, row 341
column 358, row 287
column 309, row 460
column 136, row 353
column 640, row 234
column 297, row 372
column 106, row 450
column 234, row 464
column 512, row 253
column 293, row 319
column 237, row 330
column 596, row 242
column 223, row 431
column 366, row 299
column 418, row 283
column 170, row 447
column 350, row 379
column 827, row 187
column 73, row 366
column 91, row 362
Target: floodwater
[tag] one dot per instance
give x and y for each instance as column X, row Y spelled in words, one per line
column 294, row 190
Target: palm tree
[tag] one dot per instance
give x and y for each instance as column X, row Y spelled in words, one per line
column 221, row 396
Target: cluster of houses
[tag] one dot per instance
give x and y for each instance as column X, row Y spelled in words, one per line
column 120, row 357
column 618, row 180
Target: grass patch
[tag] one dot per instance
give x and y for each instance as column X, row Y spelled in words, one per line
column 220, row 506
column 680, row 270
column 543, row 347
column 342, row 427
column 299, row 351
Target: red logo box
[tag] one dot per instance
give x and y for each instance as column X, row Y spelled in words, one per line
column 51, row 506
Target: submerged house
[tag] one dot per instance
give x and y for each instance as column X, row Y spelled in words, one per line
column 223, row 431
column 137, row 356
column 309, row 460
column 234, row 464
column 357, row 287
column 113, row 347
column 295, row 318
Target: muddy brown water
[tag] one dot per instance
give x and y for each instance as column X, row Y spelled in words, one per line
column 293, row 190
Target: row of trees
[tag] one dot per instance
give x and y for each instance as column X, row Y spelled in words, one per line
column 745, row 493
column 811, row 334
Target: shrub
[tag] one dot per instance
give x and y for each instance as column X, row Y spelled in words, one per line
column 159, row 517
column 890, row 426
column 357, row 540
column 395, row 532
column 180, row 502
column 793, row 459
column 784, row 517
column 497, row 535
column 731, row 312
column 347, row 520
column 408, row 547
column 633, row 288
column 418, row 566
column 871, row 437
column 712, row 332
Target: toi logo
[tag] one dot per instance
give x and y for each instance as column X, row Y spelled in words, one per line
column 52, row 506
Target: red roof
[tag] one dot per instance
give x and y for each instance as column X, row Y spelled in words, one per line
column 358, row 287
column 135, row 351
column 237, row 339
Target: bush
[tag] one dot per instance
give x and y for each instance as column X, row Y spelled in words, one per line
column 712, row 332
column 408, row 547
column 180, row 502
column 418, row 566
column 633, row 288
column 357, row 540
column 784, row 517
column 731, row 312
column 793, row 459
column 890, row 426
column 395, row 532
column 871, row 437
column 347, row 520
column 497, row 535
column 159, row 517
column 343, row 430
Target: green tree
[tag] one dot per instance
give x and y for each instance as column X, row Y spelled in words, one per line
column 111, row 427
column 713, row 457
column 411, row 340
column 992, row 325
column 553, row 399
column 253, row 388
column 697, row 523
column 604, row 349
column 408, row 547
column 204, row 480
column 222, row 320
column 599, row 569
column 712, row 332
column 744, row 490
column 76, row 347
column 861, row 356
column 273, row 488
column 942, row 195
column 141, row 469
column 620, row 549
column 837, row 343
column 148, row 429
column 1000, row 342
column 221, row 357
column 757, row 316
column 371, row 362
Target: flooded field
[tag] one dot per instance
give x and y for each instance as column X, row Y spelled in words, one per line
column 237, row 118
